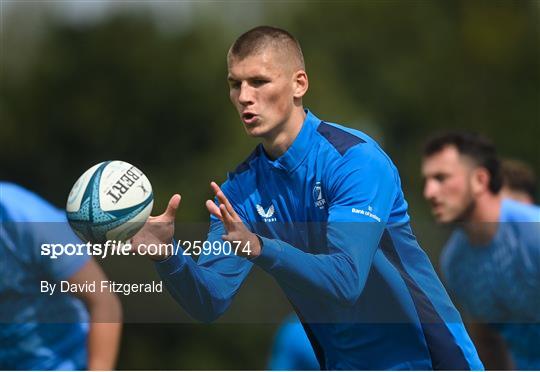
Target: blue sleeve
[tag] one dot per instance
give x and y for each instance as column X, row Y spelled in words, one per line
column 205, row 288
column 361, row 195
column 34, row 221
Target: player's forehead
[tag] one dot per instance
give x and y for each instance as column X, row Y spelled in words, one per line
column 266, row 62
column 447, row 160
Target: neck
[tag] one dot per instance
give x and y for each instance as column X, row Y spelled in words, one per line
column 276, row 144
column 482, row 223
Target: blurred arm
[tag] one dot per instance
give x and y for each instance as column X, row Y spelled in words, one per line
column 105, row 318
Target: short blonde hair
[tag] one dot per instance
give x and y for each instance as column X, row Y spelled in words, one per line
column 262, row 37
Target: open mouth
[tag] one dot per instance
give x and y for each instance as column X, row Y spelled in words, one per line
column 249, row 117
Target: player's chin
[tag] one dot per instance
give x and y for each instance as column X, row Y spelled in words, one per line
column 443, row 218
column 254, row 131
column 440, row 217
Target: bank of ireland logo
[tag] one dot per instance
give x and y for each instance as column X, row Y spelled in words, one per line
column 267, row 215
column 318, row 196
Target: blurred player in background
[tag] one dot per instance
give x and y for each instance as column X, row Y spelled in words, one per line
column 39, row 331
column 321, row 209
column 491, row 263
column 519, row 181
column 291, row 349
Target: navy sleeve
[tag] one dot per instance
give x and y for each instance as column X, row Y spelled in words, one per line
column 205, row 288
column 361, row 193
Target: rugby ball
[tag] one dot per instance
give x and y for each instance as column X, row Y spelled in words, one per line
column 110, row 201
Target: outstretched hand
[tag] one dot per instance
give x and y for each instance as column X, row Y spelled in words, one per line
column 236, row 230
column 158, row 231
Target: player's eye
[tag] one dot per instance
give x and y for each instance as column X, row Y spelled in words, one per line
column 440, row 177
column 258, row 82
column 233, row 84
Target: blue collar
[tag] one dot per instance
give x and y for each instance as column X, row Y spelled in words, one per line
column 300, row 147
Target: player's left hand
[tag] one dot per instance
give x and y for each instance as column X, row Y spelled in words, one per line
column 236, row 230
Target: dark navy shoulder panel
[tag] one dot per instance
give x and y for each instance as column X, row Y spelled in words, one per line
column 340, row 139
column 244, row 166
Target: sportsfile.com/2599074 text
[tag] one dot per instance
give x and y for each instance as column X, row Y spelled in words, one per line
column 116, row 248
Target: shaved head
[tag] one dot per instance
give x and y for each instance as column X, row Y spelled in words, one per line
column 262, row 38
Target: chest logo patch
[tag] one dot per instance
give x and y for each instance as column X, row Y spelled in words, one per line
column 268, row 214
column 318, row 196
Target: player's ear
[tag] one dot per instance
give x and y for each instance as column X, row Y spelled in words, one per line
column 480, row 180
column 300, row 84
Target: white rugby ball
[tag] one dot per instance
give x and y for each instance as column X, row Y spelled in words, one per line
column 110, row 201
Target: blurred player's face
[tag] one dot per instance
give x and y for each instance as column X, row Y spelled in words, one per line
column 448, row 185
column 265, row 89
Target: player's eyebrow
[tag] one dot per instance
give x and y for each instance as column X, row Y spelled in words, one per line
column 259, row 77
column 439, row 176
column 255, row 77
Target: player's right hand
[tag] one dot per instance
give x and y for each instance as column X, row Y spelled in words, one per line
column 157, row 230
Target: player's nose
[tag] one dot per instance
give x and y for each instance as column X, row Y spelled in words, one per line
column 245, row 97
column 430, row 189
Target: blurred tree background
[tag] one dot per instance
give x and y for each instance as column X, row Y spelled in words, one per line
column 145, row 82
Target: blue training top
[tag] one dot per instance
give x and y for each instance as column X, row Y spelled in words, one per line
column 30, row 336
column 335, row 235
column 499, row 283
